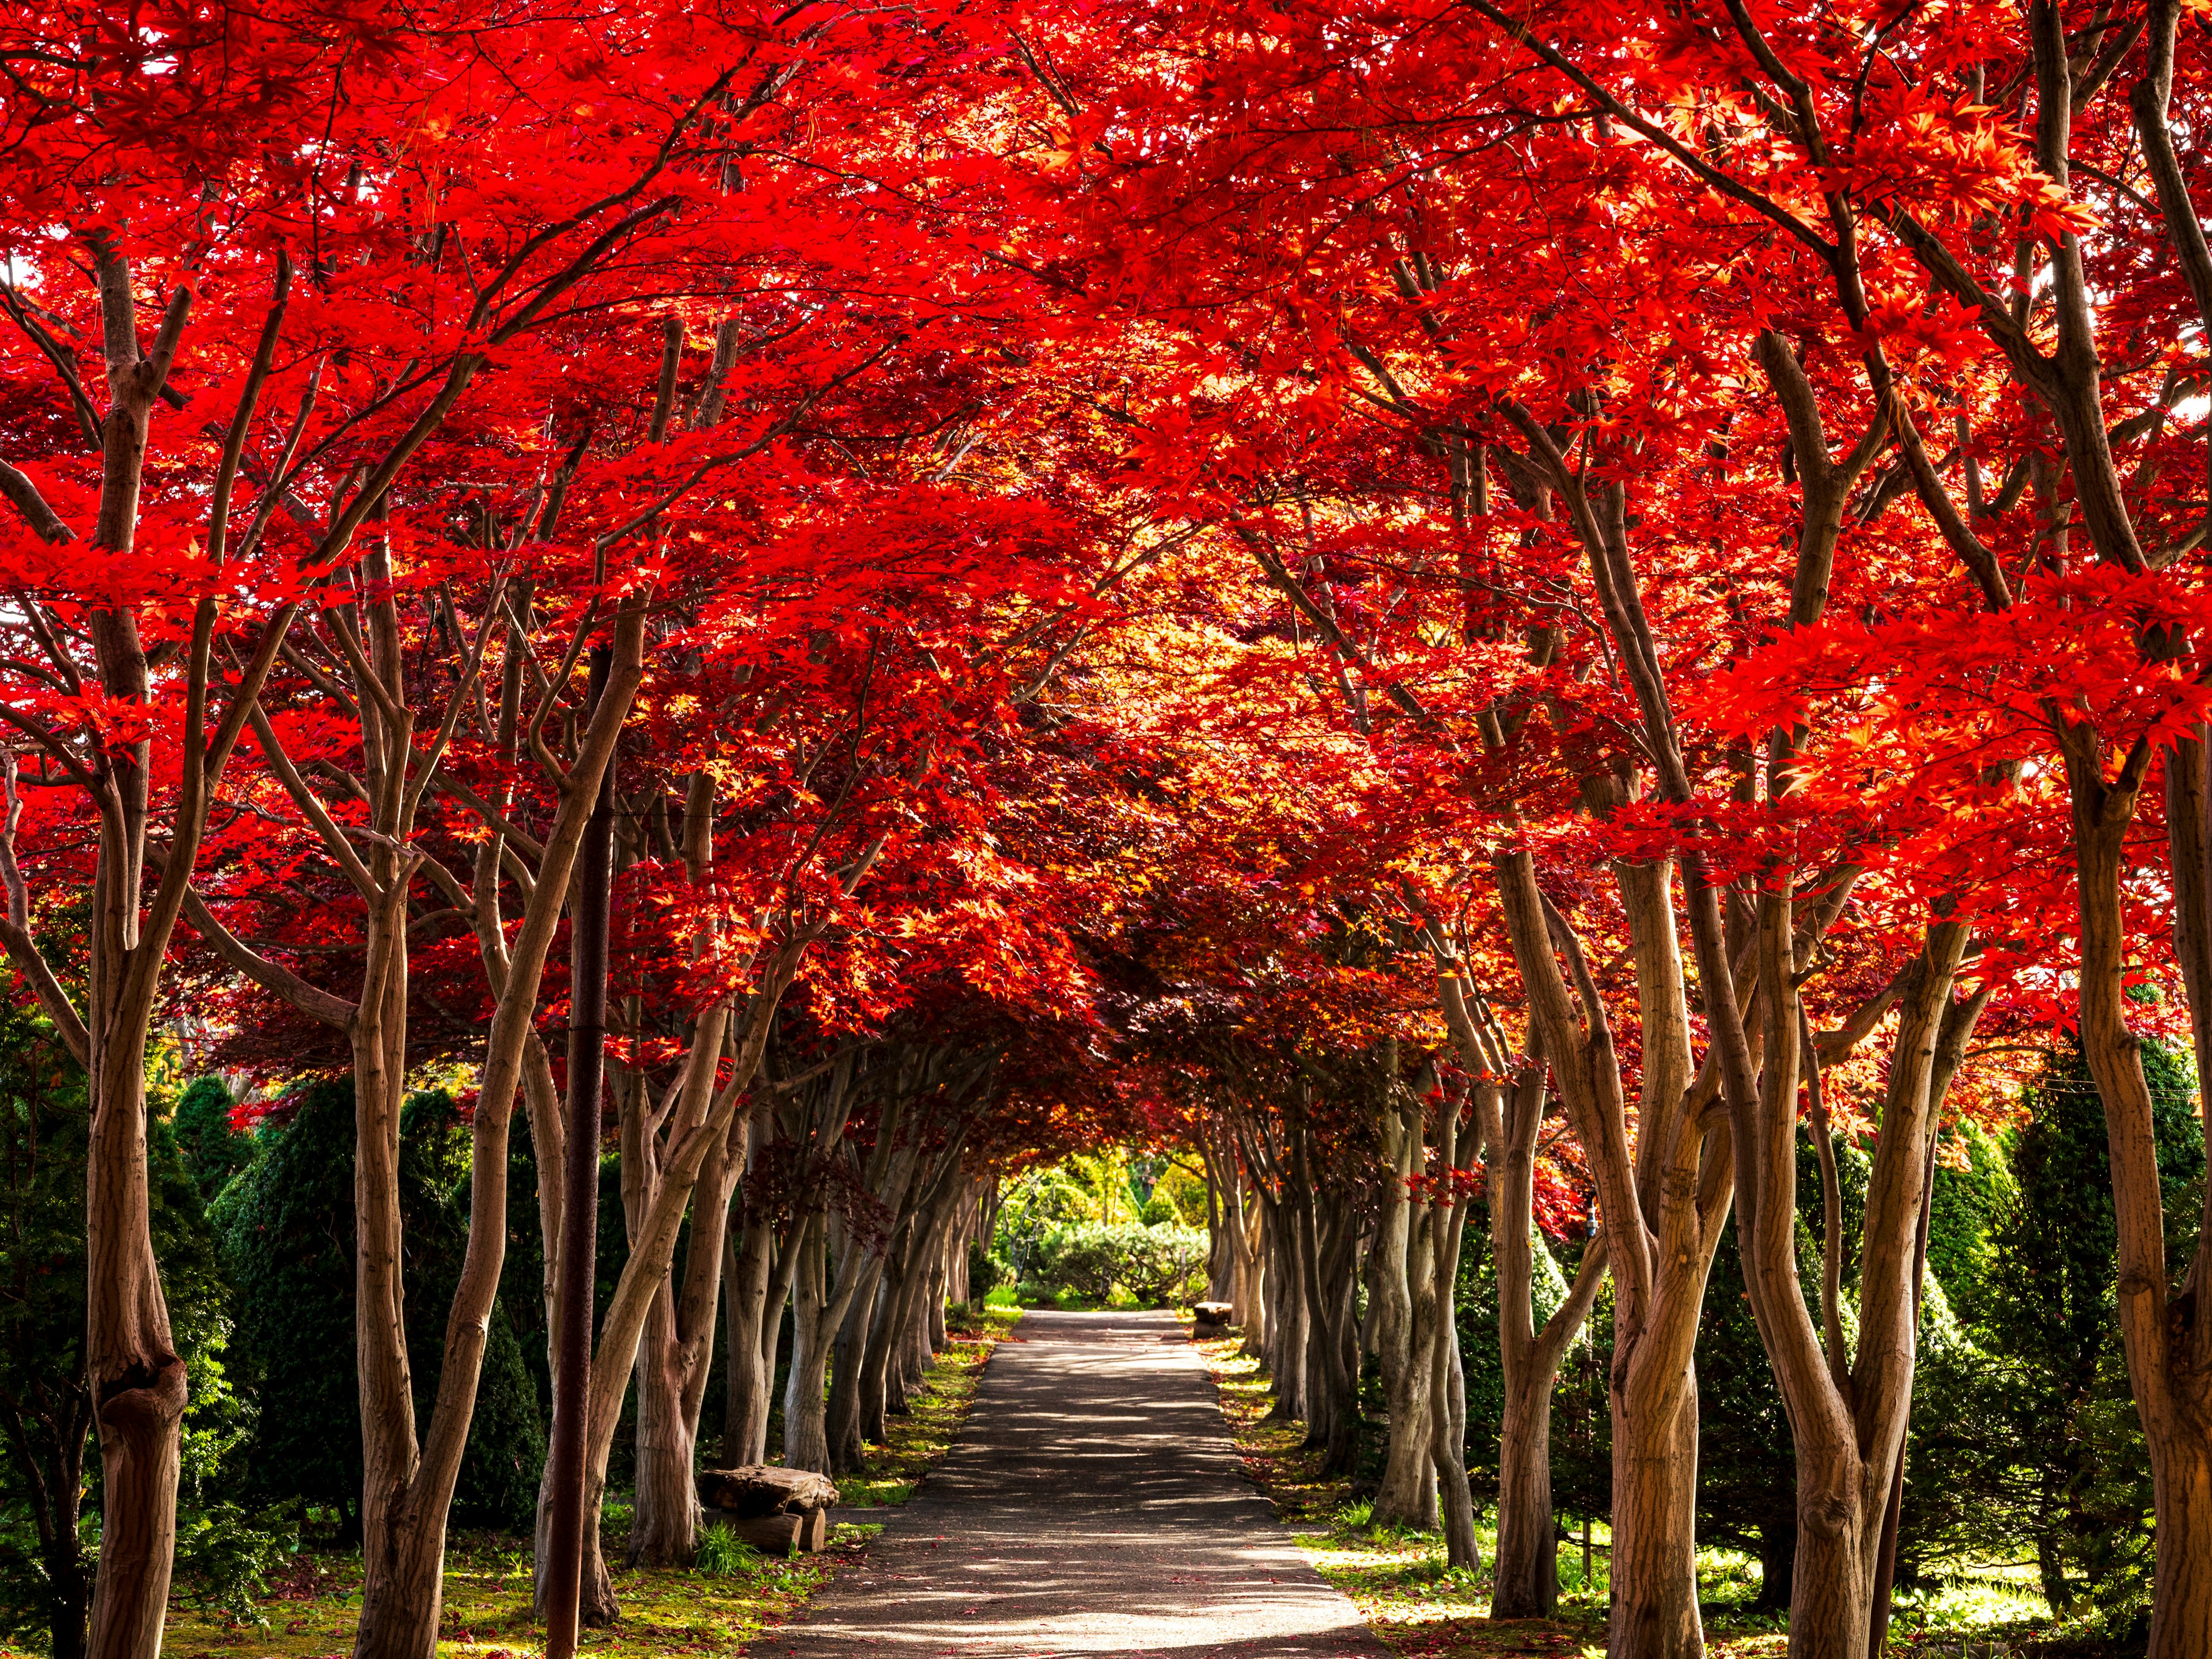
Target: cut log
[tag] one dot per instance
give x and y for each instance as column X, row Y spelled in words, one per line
column 1212, row 1316
column 804, row 1530
column 773, row 1536
column 762, row 1489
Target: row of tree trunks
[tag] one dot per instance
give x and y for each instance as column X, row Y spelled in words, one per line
column 1403, row 1301
column 1236, row 1249
column 1411, row 1267
column 895, row 1325
column 906, row 1328
column 688, row 1138
column 757, row 1283
column 1282, row 1339
column 1291, row 1261
column 1509, row 1116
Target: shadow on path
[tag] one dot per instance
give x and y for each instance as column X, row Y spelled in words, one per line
column 1093, row 1505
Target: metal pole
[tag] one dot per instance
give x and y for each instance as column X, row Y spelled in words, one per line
column 579, row 1205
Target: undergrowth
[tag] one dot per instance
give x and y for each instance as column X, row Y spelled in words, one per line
column 1419, row 1606
column 308, row 1608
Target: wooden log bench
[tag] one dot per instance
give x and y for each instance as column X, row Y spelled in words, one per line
column 1210, row 1318
column 776, row 1510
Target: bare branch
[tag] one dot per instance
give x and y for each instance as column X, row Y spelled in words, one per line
column 32, row 505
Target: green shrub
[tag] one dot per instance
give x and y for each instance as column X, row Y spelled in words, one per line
column 225, row 1557
column 287, row 1236
column 986, row 1270
column 49, row 1461
column 1155, row 1265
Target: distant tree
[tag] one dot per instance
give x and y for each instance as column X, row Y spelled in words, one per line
column 2077, row 1480
column 288, row 1239
column 1974, row 1193
column 46, row 1570
column 213, row 1149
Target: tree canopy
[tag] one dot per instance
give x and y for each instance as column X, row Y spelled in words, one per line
column 1588, row 621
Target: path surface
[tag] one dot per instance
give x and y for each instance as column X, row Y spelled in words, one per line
column 1093, row 1505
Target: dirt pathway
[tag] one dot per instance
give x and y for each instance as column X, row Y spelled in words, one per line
column 1092, row 1505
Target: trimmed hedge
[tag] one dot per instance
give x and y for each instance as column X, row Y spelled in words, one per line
column 1155, row 1265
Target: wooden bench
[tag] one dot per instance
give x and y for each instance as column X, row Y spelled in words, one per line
column 776, row 1510
column 1210, row 1318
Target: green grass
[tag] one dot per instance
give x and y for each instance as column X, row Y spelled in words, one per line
column 723, row 1555
column 487, row 1613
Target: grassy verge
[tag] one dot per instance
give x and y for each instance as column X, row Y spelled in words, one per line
column 314, row 1605
column 1418, row 1607
column 1397, row 1577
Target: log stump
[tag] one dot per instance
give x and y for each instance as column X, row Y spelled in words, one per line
column 1210, row 1318
column 776, row 1510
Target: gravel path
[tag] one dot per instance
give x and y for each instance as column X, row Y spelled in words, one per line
column 1093, row 1505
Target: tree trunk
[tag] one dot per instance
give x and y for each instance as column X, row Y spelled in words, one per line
column 403, row 1536
column 2167, row 1338
column 751, row 1377
column 597, row 1606
column 1407, row 1495
column 851, row 1361
column 561, row 1576
column 1320, row 1344
column 403, row 1592
column 1654, row 1565
column 675, row 1352
column 806, row 1432
column 137, row 1379
column 890, row 1377
column 1526, row 1575
column 1448, row 1384
column 883, row 1394
column 936, row 1334
column 1832, row 1587
column 925, row 1304
column 664, row 1515
column 67, row 1596
column 1286, row 1360
column 1339, row 1263
column 1251, row 1309
column 2181, row 1481
column 1327, row 1244
column 1403, row 1303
